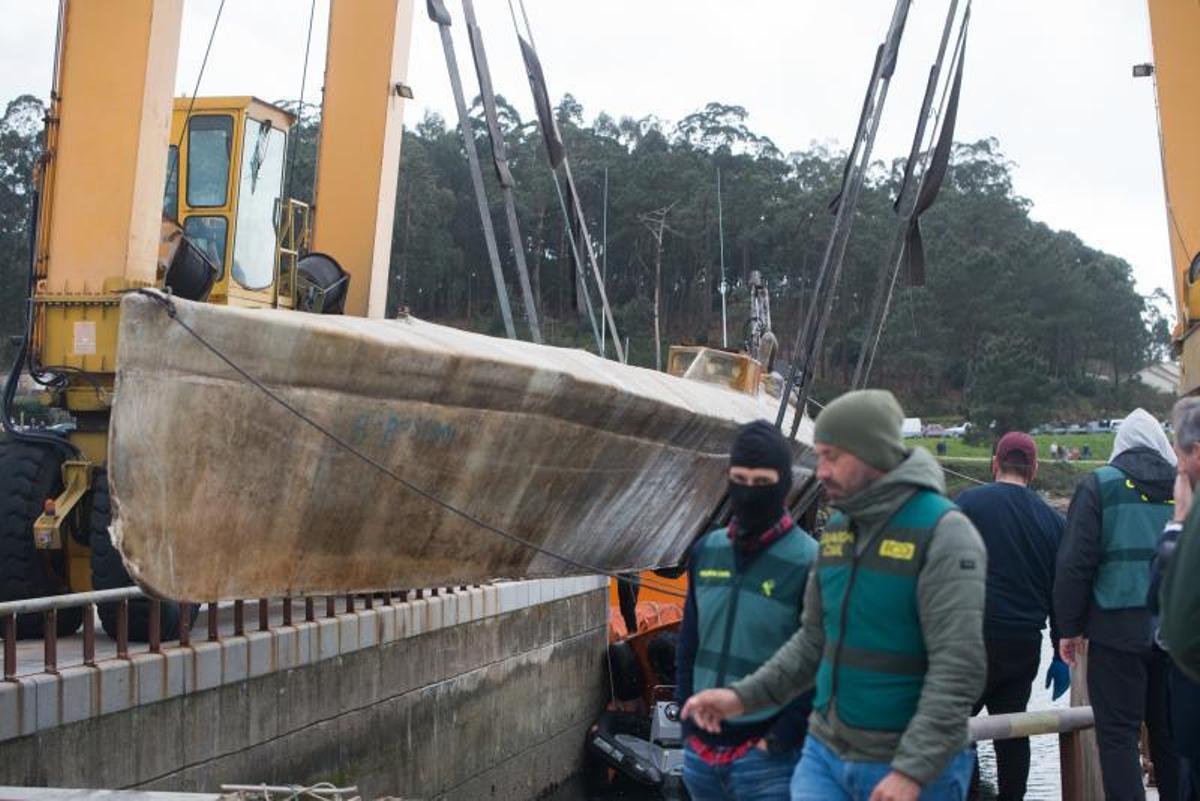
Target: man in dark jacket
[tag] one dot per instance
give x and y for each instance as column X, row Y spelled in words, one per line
column 1022, row 535
column 745, row 592
column 1174, row 593
column 1100, row 592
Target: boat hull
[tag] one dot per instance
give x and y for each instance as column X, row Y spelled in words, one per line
column 220, row 492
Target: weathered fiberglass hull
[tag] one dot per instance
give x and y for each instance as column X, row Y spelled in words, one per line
column 219, row 492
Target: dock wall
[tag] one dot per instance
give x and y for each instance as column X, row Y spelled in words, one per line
column 483, row 693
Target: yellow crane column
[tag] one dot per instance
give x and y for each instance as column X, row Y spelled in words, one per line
column 104, row 172
column 1173, row 27
column 359, row 153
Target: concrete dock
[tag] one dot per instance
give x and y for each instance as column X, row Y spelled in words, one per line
column 476, row 693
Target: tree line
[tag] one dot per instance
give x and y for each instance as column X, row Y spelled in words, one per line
column 1017, row 323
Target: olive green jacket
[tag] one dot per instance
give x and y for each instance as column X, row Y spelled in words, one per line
column 950, row 596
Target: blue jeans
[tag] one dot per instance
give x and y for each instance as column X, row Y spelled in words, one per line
column 756, row 776
column 823, row 776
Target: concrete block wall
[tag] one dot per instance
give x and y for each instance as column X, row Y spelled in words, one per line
column 477, row 694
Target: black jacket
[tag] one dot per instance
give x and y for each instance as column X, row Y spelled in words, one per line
column 1080, row 552
column 1022, row 534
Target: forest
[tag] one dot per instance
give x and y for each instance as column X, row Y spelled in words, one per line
column 1016, row 324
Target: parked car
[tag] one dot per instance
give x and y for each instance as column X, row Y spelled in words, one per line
column 958, row 430
column 934, row 430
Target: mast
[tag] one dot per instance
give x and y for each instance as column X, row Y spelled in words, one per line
column 811, row 335
column 721, row 238
column 439, row 14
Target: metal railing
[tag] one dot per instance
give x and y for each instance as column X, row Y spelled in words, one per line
column 1069, row 723
column 50, row 606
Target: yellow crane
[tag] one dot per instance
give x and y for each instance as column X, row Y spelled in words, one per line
column 1174, row 25
column 126, row 170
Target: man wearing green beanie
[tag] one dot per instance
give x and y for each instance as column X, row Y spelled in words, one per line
column 891, row 634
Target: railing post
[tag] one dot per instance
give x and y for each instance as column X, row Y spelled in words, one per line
column 123, row 629
column 89, row 635
column 287, row 611
column 264, row 615
column 239, row 618
column 50, row 639
column 155, row 626
column 10, row 648
column 330, row 606
column 310, row 611
column 185, row 624
column 214, row 631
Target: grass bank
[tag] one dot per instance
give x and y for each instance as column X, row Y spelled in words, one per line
column 1056, row 479
column 1100, row 444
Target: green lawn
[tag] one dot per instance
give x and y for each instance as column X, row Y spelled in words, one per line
column 1101, row 445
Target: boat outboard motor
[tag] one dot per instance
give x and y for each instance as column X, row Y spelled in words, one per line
column 321, row 285
column 191, row 273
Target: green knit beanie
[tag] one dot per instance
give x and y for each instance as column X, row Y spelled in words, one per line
column 866, row 423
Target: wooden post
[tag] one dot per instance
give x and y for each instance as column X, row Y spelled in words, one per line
column 1078, row 755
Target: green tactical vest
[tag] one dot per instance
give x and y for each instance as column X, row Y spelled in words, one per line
column 874, row 660
column 1131, row 524
column 744, row 617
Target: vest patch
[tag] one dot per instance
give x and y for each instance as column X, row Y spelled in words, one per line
column 833, row 543
column 894, row 549
column 715, row 573
column 768, row 587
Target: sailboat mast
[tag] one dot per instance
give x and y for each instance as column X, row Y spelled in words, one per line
column 439, row 14
column 604, row 261
column 724, row 288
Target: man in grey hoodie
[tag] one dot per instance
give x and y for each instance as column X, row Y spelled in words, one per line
column 1100, row 591
column 891, row 633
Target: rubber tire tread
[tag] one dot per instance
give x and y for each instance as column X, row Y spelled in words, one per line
column 627, row 680
column 29, row 474
column 108, row 573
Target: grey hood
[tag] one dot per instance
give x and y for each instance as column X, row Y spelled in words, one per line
column 1141, row 430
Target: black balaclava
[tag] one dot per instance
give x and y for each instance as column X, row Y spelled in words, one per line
column 759, row 444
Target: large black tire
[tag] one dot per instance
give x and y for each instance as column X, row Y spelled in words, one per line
column 628, row 683
column 108, row 573
column 29, row 474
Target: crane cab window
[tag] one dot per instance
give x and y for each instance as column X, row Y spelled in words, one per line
column 210, row 143
column 209, row 234
column 259, row 188
column 171, row 190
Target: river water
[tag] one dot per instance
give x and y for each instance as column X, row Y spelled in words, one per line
column 1043, row 770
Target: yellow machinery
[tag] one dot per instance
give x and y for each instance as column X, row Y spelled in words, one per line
column 127, row 169
column 1176, row 69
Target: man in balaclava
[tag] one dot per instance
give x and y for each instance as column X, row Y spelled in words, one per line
column 745, row 590
column 892, row 628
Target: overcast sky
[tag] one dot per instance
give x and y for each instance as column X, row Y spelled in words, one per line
column 1050, row 80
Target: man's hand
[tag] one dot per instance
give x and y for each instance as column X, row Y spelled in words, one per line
column 1183, row 497
column 707, row 709
column 1071, row 648
column 761, row 745
column 896, row 787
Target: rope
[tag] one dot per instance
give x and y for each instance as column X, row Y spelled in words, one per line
column 212, row 34
column 964, row 476
column 169, row 307
column 312, row 12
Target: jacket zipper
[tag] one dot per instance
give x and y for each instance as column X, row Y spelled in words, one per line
column 733, row 605
column 837, row 653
